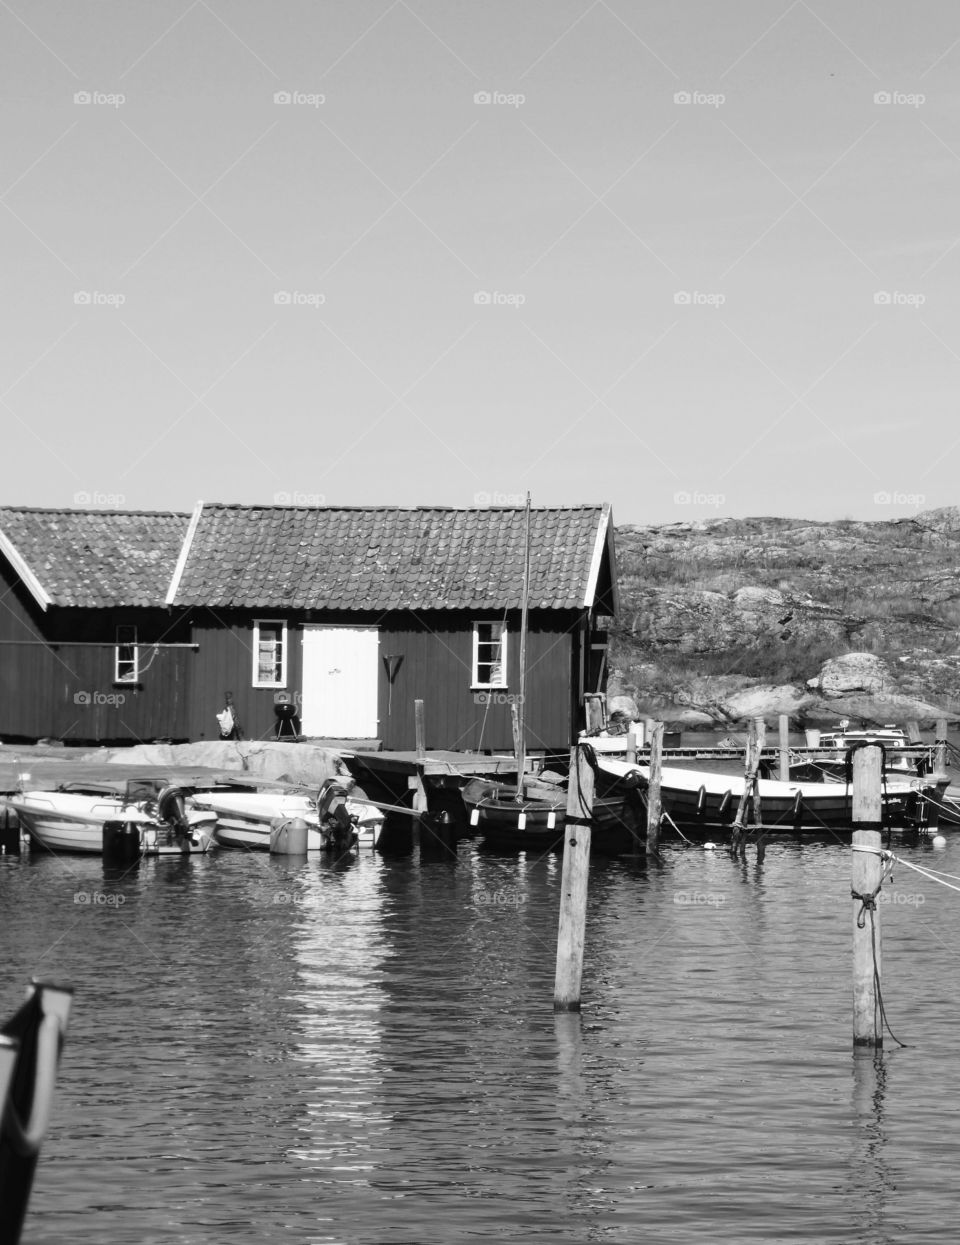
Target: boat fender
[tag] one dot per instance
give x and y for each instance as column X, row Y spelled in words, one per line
column 725, row 801
column 701, row 800
column 797, row 805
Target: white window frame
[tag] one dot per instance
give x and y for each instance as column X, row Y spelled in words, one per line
column 132, row 674
column 269, row 622
column 475, row 672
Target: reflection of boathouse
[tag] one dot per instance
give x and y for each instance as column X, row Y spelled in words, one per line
column 125, row 626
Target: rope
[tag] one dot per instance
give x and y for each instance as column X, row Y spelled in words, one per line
column 868, row 906
column 934, row 875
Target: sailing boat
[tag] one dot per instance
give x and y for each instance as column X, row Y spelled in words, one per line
column 531, row 812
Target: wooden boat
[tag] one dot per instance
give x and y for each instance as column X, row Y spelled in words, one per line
column 72, row 818
column 699, row 799
column 245, row 818
column 30, row 1046
column 537, row 820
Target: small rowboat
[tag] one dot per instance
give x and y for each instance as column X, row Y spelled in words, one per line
column 539, row 819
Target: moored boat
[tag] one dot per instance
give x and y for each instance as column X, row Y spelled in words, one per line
column 701, row 799
column 538, row 819
column 335, row 820
column 72, row 818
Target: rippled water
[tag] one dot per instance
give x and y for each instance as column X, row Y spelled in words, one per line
column 263, row 1051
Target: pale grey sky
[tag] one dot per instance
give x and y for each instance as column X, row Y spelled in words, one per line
column 690, row 258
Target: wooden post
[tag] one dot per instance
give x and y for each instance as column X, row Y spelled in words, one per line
column 784, row 748
column 573, row 886
column 940, row 753
column 751, row 761
column 631, row 749
column 865, row 876
column 418, row 725
column 654, row 799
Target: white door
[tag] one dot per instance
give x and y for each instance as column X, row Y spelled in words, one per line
column 340, row 676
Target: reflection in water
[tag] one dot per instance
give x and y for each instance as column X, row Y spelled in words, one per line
column 264, row 1049
column 869, row 1176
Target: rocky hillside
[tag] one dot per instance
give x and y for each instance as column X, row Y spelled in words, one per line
column 727, row 617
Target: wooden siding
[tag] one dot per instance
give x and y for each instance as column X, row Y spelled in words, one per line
column 437, row 652
column 56, row 681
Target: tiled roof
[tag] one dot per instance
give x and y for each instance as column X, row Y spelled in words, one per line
column 94, row 558
column 265, row 557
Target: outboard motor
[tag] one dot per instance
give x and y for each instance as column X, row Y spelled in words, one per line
column 336, row 824
column 172, row 809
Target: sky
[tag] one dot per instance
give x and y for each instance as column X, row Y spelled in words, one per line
column 692, row 259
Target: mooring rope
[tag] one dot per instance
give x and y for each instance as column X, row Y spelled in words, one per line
column 868, row 907
column 934, row 875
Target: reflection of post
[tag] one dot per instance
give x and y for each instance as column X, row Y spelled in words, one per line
column 654, row 798
column 868, row 1171
column 865, row 879
column 573, row 886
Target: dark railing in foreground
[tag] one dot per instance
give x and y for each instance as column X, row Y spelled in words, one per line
column 30, row 1046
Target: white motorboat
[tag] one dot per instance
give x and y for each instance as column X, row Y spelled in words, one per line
column 334, row 820
column 72, row 818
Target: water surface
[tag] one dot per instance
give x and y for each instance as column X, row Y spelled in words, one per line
column 365, row 1054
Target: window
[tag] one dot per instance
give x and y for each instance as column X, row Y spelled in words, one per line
column 489, row 654
column 269, row 654
column 126, row 656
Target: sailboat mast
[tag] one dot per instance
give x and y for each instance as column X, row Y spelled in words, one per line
column 522, row 699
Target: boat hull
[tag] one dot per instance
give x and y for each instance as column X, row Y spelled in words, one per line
column 539, row 821
column 245, row 819
column 695, row 799
column 67, row 822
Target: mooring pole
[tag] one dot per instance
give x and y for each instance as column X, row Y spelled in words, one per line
column 573, row 885
column 632, row 748
column 751, row 761
column 784, row 748
column 654, row 798
column 865, row 878
column 940, row 750
column 418, row 728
